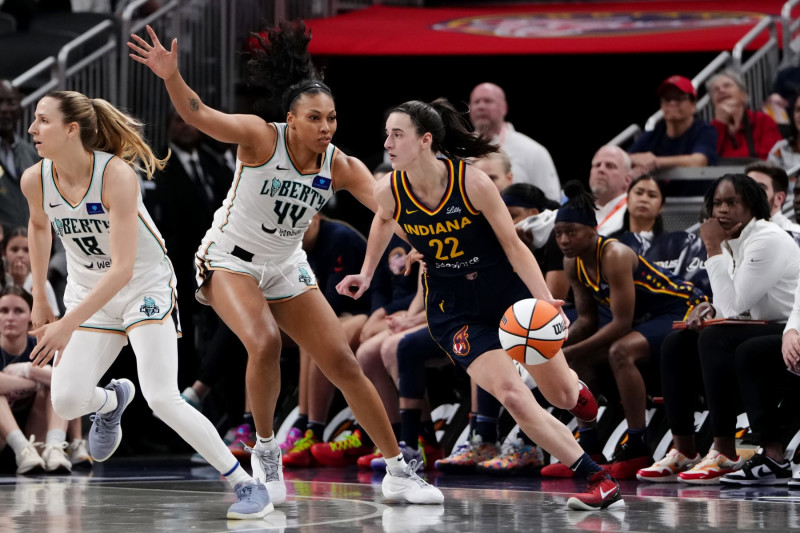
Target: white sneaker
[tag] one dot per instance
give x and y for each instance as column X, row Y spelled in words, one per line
column 79, row 454
column 55, row 460
column 268, row 469
column 28, row 460
column 407, row 485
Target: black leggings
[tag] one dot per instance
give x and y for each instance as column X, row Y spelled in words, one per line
column 764, row 382
column 692, row 363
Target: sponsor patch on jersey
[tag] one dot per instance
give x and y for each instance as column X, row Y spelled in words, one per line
column 94, row 209
column 321, row 182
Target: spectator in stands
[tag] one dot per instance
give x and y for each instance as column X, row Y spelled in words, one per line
column 642, row 221
column 775, row 183
column 25, row 388
column 16, row 154
column 761, row 369
column 530, row 161
column 643, row 302
column 534, row 216
column 741, row 132
column 498, row 167
column 609, row 179
column 786, row 152
column 681, row 139
column 17, row 257
column 753, row 267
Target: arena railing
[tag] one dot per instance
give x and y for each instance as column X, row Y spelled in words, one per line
column 94, row 73
column 790, row 26
column 760, row 68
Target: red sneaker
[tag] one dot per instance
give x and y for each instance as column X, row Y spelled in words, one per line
column 364, row 461
column 342, row 452
column 602, row 493
column 300, row 456
column 627, row 463
column 430, row 454
column 586, row 408
column 562, row 470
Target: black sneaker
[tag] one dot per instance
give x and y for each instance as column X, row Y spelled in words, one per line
column 759, row 470
column 794, row 483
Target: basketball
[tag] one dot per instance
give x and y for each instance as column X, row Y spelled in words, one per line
column 532, row 331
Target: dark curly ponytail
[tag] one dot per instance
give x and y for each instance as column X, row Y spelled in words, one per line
column 281, row 69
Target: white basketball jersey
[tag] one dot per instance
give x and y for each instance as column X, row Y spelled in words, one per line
column 84, row 228
column 269, row 206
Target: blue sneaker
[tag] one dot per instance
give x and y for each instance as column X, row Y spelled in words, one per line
column 105, row 434
column 252, row 501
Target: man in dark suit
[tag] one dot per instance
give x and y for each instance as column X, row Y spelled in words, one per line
column 187, row 192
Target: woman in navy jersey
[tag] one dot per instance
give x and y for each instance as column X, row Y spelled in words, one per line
column 120, row 282
column 251, row 266
column 477, row 267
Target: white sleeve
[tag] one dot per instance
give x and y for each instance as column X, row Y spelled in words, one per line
column 760, row 266
column 794, row 317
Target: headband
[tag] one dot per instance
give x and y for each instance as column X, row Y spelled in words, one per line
column 579, row 216
column 512, row 200
column 303, row 88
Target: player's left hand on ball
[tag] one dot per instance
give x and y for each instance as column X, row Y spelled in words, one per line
column 52, row 339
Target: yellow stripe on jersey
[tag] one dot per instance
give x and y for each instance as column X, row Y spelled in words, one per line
column 462, row 173
column 396, row 194
column 445, row 198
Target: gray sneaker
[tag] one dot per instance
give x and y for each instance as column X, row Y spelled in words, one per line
column 268, row 469
column 252, row 501
column 105, row 434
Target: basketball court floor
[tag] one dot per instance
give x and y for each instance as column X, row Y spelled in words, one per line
column 171, row 494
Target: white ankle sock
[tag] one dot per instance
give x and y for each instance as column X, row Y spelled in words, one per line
column 396, row 464
column 55, row 436
column 16, row 439
column 266, row 444
column 237, row 476
column 106, row 399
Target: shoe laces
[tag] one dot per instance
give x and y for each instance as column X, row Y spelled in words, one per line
column 711, row 459
column 352, row 441
column 103, row 424
column 305, row 443
column 244, row 491
column 270, row 460
column 410, row 471
column 597, row 479
column 671, row 457
column 757, row 459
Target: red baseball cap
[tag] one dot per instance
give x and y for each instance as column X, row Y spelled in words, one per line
column 679, row 82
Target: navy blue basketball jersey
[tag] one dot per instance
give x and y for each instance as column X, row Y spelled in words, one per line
column 656, row 290
column 454, row 237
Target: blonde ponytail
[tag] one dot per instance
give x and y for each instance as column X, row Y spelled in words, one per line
column 118, row 133
column 104, row 127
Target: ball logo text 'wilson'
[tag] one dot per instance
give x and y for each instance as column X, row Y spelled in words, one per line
column 532, row 331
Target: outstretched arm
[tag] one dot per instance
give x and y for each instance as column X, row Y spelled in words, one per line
column 248, row 131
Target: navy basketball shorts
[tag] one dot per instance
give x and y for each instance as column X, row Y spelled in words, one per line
column 656, row 328
column 464, row 312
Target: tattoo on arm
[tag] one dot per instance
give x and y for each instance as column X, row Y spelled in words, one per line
column 194, row 105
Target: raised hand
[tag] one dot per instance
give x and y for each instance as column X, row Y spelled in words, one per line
column 163, row 63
